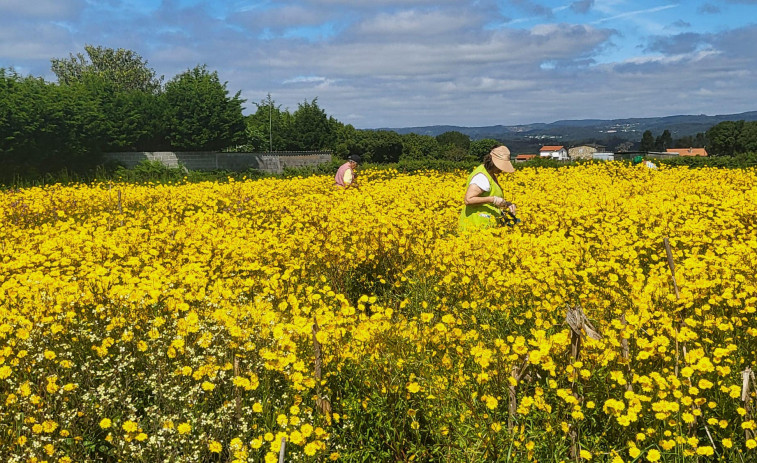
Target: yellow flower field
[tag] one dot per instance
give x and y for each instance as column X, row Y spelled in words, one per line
column 206, row 322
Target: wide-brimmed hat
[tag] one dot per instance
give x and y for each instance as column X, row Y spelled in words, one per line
column 501, row 159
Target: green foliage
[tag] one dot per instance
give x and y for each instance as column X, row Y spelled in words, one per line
column 664, row 141
column 150, row 171
column 45, row 127
column 698, row 141
column 739, row 161
column 130, row 120
column 480, row 148
column 647, row 141
column 199, row 114
column 125, row 69
column 454, row 138
column 382, row 146
column 377, row 146
column 311, row 128
column 418, row 147
column 268, row 128
column 747, row 139
column 725, row 138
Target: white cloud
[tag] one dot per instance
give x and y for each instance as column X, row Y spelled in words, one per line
column 42, row 9
column 400, row 63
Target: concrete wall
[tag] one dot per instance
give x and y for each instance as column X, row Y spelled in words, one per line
column 274, row 162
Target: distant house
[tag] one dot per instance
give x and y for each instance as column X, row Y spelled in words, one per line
column 688, row 151
column 524, row 157
column 554, row 152
column 582, row 152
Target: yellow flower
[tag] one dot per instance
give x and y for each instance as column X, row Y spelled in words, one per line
column 653, row 455
column 105, row 423
column 306, row 430
column 208, row 386
column 49, row 426
column 184, row 428
column 311, row 448
column 413, row 387
column 215, row 446
column 129, row 426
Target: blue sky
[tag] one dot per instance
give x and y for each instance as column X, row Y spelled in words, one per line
column 395, row 63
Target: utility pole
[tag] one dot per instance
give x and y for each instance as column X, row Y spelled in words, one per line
column 270, row 124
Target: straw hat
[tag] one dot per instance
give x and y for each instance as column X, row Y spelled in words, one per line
column 501, row 158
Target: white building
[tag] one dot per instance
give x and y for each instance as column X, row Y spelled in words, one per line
column 555, row 152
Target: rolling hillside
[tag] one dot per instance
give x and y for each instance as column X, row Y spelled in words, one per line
column 610, row 132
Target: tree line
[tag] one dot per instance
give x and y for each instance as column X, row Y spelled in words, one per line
column 108, row 100
column 728, row 138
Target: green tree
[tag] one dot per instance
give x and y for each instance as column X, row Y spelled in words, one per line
column 269, row 128
column 747, row 139
column 124, row 68
column 46, row 127
column 347, row 141
column 480, row 148
column 418, row 147
column 311, row 127
column 131, row 119
column 379, row 146
column 200, row 115
column 647, row 141
column 724, row 138
column 664, row 141
column 455, row 138
column 697, row 141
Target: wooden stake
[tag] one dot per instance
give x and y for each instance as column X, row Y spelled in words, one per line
column 671, row 264
column 517, row 374
column 237, row 398
column 580, row 326
column 626, row 353
column 282, row 450
column 672, row 267
column 747, row 380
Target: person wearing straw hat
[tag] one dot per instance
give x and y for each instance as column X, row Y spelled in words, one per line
column 484, row 201
column 345, row 176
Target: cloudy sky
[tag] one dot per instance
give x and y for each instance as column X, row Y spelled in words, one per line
column 400, row 63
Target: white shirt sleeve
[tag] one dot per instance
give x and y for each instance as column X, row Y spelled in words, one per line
column 481, row 181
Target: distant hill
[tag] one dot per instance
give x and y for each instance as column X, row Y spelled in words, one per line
column 612, row 132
